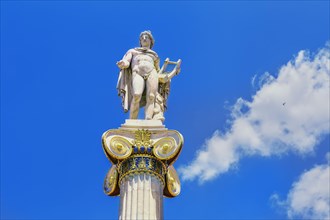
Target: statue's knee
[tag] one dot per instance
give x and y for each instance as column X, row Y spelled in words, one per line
column 137, row 97
column 151, row 97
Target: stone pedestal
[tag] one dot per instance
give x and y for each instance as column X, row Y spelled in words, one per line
column 142, row 153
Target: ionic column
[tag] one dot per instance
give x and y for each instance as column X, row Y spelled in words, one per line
column 142, row 153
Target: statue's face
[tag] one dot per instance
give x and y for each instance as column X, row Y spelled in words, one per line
column 145, row 41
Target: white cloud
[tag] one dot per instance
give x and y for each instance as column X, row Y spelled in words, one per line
column 289, row 113
column 309, row 197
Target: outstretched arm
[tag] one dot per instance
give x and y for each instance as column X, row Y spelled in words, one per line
column 125, row 62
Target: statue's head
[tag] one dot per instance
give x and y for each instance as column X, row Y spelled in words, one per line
column 146, row 38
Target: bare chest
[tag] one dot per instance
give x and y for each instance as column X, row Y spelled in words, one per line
column 142, row 63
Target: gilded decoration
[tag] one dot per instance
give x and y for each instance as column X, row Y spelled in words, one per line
column 110, row 185
column 166, row 148
column 120, row 148
column 142, row 138
column 142, row 163
column 173, row 186
column 137, row 151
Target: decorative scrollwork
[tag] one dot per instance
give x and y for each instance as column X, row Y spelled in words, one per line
column 135, row 152
column 166, row 148
column 119, row 148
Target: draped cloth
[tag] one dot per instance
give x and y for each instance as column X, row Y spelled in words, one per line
column 124, row 87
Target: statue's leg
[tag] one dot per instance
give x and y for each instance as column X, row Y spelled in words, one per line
column 138, row 87
column 152, row 87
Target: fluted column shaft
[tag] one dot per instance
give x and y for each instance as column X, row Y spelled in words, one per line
column 141, row 197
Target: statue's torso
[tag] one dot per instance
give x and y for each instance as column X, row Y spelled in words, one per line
column 142, row 63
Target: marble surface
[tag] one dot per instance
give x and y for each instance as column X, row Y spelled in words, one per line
column 134, row 124
column 141, row 197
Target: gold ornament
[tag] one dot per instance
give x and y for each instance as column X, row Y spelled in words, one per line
column 142, row 163
column 166, row 148
column 110, row 185
column 142, row 138
column 119, row 148
column 173, row 186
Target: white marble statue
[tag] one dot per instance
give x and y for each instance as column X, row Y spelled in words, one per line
column 142, row 83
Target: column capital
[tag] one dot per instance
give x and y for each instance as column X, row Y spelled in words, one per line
column 142, row 146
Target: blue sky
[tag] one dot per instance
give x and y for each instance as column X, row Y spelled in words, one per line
column 58, row 95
